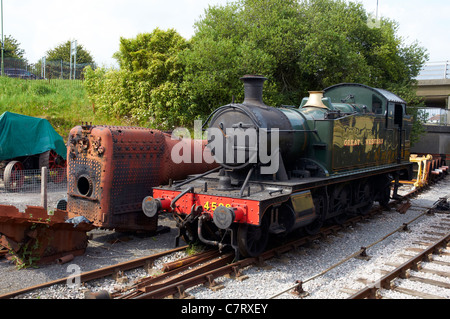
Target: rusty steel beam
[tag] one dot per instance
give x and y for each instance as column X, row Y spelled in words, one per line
column 36, row 237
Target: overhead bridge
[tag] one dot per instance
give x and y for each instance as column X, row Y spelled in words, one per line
column 434, row 87
column 434, row 84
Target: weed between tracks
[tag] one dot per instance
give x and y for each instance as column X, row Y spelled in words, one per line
column 195, row 248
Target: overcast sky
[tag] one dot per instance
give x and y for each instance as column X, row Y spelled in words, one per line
column 40, row 25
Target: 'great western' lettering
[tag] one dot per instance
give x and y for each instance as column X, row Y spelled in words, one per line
column 369, row 141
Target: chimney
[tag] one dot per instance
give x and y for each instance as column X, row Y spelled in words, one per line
column 253, row 89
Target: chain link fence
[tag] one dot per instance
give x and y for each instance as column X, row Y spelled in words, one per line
column 48, row 70
column 24, row 188
column 30, row 181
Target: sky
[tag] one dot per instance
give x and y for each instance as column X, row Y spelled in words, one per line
column 41, row 25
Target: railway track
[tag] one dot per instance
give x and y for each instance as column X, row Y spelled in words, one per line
column 174, row 284
column 206, row 267
column 114, row 270
column 429, row 245
column 425, row 253
column 180, row 275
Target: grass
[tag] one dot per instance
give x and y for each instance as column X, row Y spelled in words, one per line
column 64, row 103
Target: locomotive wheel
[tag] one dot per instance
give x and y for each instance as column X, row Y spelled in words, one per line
column 13, row 176
column 340, row 203
column 252, row 240
column 363, row 196
column 320, row 205
column 384, row 190
column 385, row 197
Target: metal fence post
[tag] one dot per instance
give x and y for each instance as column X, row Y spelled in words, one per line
column 44, row 187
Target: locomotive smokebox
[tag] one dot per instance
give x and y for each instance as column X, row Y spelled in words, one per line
column 252, row 133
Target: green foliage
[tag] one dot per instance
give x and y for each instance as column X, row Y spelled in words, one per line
column 146, row 90
column 12, row 48
column 245, row 37
column 299, row 45
column 165, row 81
column 63, row 103
column 62, row 52
column 42, row 89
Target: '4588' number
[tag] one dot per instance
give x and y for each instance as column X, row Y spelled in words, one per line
column 213, row 205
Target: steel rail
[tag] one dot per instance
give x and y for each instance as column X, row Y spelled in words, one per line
column 362, row 251
column 97, row 273
column 209, row 276
column 170, row 270
column 198, row 276
column 371, row 292
column 223, row 266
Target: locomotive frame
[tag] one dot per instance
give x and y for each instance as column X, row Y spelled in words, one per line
column 339, row 151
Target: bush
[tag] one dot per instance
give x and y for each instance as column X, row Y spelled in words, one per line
column 146, row 90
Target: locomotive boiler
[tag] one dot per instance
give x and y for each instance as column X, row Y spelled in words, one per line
column 291, row 168
column 112, row 168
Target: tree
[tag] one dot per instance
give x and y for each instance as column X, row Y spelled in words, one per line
column 299, row 46
column 245, row 37
column 146, row 90
column 62, row 52
column 12, row 48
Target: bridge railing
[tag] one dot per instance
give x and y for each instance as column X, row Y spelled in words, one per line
column 435, row 71
column 435, row 116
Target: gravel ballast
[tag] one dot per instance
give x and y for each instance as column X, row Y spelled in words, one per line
column 108, row 248
column 281, row 274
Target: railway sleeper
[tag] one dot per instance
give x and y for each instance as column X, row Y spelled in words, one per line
column 416, row 293
column 299, row 291
column 212, row 284
column 237, row 274
column 181, row 294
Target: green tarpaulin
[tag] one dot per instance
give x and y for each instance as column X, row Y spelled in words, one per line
column 22, row 135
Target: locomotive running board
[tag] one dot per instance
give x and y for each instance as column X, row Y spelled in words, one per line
column 38, row 237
